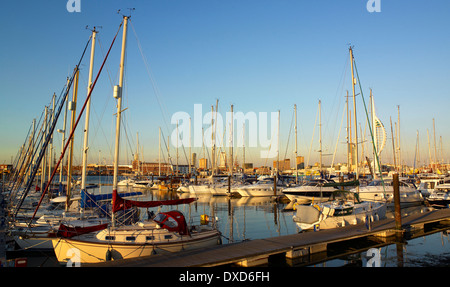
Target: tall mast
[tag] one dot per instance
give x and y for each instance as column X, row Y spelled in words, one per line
column 296, row 152
column 400, row 160
column 190, row 144
column 429, row 150
column 88, row 108
column 349, row 163
column 43, row 163
column 278, row 143
column 393, row 144
column 212, row 142
column 63, row 141
column 354, row 112
column 231, row 143
column 434, row 137
column 50, row 148
column 243, row 147
column 72, row 108
column 159, row 156
column 118, row 96
column 320, row 135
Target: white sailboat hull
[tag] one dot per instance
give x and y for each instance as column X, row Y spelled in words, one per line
column 86, row 249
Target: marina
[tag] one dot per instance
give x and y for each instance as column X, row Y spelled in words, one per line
column 260, row 231
column 237, row 181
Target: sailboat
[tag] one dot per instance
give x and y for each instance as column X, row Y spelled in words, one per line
column 341, row 212
column 165, row 232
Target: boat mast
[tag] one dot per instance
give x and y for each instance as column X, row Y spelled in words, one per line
column 243, row 148
column 349, row 163
column 320, row 137
column 278, row 144
column 296, row 152
column 50, row 148
column 63, row 141
column 190, row 151
column 400, row 160
column 159, row 156
column 434, row 137
column 231, row 143
column 72, row 108
column 88, row 108
column 355, row 120
column 44, row 159
column 118, row 96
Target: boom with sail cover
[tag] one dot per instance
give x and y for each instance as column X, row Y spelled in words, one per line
column 119, row 203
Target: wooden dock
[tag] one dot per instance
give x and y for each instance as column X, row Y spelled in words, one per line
column 256, row 252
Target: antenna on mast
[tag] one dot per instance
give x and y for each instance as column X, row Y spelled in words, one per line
column 131, row 9
column 93, row 29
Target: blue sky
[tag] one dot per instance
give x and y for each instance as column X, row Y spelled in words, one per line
column 260, row 56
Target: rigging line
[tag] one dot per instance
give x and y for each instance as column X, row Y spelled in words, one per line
column 367, row 114
column 149, row 73
column 169, row 158
column 339, row 135
column 341, row 86
column 312, row 139
column 289, row 135
column 76, row 123
column 370, row 128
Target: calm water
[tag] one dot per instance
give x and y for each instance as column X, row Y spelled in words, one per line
column 254, row 218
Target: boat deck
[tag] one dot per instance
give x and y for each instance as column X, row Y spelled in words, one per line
column 256, row 252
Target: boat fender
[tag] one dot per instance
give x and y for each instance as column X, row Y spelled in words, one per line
column 108, row 255
column 219, row 241
column 295, row 206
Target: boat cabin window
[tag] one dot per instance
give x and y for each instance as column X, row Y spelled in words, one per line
column 166, row 220
column 110, row 238
column 167, row 236
column 130, row 238
column 171, row 222
column 150, row 238
column 160, row 217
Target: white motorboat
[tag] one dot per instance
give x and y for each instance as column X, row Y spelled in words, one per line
column 337, row 213
column 440, row 196
column 313, row 190
column 380, row 192
column 429, row 183
column 264, row 187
